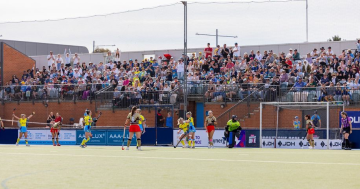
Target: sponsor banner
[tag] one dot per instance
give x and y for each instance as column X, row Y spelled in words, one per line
column 45, row 137
column 201, row 138
column 300, row 144
column 98, row 137
column 268, row 143
column 252, row 138
column 116, row 138
column 354, row 117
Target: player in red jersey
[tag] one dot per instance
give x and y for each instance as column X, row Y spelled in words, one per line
column 55, row 128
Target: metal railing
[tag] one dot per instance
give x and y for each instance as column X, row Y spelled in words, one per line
column 314, row 94
column 51, row 92
column 242, row 109
column 126, row 99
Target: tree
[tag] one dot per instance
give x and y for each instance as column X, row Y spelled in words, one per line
column 335, row 38
column 101, row 50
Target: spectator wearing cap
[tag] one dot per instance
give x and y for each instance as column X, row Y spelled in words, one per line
column 290, row 54
column 208, row 51
column 51, row 59
column 296, row 55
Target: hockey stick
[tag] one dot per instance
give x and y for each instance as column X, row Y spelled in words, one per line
column 123, row 138
column 12, row 122
column 185, row 134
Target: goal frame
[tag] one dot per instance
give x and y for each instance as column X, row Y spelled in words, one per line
column 309, row 104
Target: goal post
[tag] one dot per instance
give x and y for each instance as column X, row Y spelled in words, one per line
column 277, row 121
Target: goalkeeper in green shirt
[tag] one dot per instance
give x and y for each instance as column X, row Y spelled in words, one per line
column 232, row 129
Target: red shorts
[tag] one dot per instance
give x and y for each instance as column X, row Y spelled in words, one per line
column 52, row 130
column 134, row 128
column 210, row 128
column 311, row 131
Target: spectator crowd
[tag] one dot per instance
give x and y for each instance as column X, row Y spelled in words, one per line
column 220, row 73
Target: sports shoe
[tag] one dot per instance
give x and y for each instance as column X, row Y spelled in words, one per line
column 58, row 145
column 209, row 146
column 54, row 144
column 212, row 146
column 139, row 148
column 17, row 144
column 310, row 147
column 28, row 145
column 127, row 148
column 183, row 146
column 193, row 147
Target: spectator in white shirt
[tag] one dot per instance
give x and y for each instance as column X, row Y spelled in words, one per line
column 258, row 56
column 51, row 59
column 76, row 59
column 236, row 50
column 58, row 61
column 329, row 52
column 76, row 73
column 314, row 53
column 180, row 69
column 290, row 54
column 67, row 58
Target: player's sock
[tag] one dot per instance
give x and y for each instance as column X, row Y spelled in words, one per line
column 211, row 142
column 53, row 140
column 193, row 142
column 347, row 143
column 57, row 140
column 139, row 142
column 17, row 141
column 26, row 142
column 83, row 141
column 128, row 142
column 312, row 143
column 189, row 142
column 87, row 140
column 182, row 142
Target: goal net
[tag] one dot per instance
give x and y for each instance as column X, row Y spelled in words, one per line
column 283, row 124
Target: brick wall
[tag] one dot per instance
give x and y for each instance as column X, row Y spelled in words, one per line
column 15, row 63
column 70, row 110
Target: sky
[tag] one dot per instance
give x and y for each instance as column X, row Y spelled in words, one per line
column 162, row 28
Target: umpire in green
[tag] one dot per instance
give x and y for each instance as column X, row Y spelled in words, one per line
column 232, row 129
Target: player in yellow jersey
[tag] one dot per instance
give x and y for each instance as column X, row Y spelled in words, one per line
column 87, row 128
column 183, row 131
column 142, row 124
column 23, row 124
column 192, row 130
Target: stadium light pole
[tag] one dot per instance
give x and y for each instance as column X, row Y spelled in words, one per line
column 185, row 55
column 307, row 22
column 217, row 36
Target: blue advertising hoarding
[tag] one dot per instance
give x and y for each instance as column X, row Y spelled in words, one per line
column 104, row 137
column 115, row 138
column 98, row 137
column 354, row 116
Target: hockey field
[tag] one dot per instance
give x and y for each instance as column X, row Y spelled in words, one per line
column 165, row 167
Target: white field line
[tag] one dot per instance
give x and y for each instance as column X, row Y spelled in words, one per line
column 193, row 159
column 239, row 151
